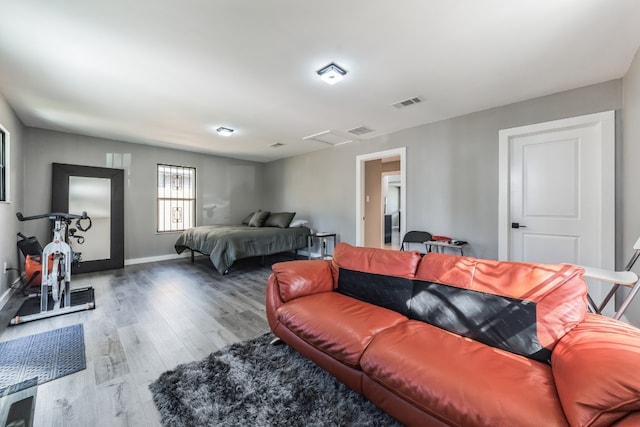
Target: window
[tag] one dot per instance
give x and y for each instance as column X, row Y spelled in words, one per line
column 4, row 165
column 176, row 198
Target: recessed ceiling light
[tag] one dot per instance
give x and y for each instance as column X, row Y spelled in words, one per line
column 224, row 131
column 332, row 73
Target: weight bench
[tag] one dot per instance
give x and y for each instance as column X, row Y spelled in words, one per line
column 625, row 278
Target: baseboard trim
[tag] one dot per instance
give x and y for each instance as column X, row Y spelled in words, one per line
column 187, row 254
column 6, row 296
column 133, row 261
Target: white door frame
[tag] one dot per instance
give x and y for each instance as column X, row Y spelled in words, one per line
column 360, row 161
column 606, row 193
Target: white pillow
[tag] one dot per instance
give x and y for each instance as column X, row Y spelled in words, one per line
column 298, row 223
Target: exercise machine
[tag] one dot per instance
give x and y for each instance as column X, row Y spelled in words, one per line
column 57, row 258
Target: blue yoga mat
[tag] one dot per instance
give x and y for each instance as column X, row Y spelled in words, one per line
column 47, row 356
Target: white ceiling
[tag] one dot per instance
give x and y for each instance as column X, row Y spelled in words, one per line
column 168, row 72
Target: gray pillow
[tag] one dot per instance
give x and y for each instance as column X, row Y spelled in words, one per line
column 279, row 219
column 258, row 218
column 248, row 218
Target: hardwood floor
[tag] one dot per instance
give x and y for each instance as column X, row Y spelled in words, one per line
column 148, row 319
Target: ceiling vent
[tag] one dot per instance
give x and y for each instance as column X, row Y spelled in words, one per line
column 275, row 145
column 361, row 130
column 407, row 102
column 327, row 137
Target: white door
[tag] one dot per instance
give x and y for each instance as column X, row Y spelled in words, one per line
column 558, row 204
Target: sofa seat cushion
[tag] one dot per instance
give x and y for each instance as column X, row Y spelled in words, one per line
column 461, row 381
column 337, row 325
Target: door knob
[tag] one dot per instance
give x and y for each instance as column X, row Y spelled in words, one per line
column 517, row 225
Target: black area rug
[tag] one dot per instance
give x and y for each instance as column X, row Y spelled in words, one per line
column 254, row 383
column 47, row 356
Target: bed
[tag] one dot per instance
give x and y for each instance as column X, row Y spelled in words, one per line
column 224, row 244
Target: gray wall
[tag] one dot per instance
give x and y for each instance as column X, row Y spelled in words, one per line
column 628, row 190
column 8, row 222
column 452, row 170
column 234, row 186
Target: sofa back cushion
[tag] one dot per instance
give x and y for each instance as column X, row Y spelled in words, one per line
column 524, row 308
column 499, row 321
column 376, row 261
column 390, row 292
column 444, row 268
column 555, row 293
column 496, row 320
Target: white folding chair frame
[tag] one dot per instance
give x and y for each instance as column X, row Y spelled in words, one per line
column 617, row 278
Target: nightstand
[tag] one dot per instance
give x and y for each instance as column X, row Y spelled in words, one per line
column 323, row 237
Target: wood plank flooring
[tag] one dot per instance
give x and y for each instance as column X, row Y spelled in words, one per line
column 148, row 319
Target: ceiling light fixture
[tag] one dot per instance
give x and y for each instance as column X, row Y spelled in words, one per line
column 224, row 131
column 332, row 73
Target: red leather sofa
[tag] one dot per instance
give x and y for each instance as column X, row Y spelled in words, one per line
column 414, row 335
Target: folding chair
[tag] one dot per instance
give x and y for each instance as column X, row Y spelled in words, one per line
column 617, row 278
column 415, row 237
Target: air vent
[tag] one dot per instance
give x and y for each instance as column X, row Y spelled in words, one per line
column 275, row 145
column 327, row 137
column 361, row 130
column 407, row 102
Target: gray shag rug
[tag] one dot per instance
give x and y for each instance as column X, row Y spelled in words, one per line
column 254, row 383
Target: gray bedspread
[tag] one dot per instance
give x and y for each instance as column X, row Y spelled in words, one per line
column 227, row 243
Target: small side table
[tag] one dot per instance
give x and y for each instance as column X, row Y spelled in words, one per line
column 323, row 243
column 439, row 246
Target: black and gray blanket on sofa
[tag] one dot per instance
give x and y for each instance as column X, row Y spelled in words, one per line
column 261, row 233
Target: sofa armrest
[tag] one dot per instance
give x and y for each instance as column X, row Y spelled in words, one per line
column 273, row 301
column 294, row 279
column 301, row 278
column 595, row 370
